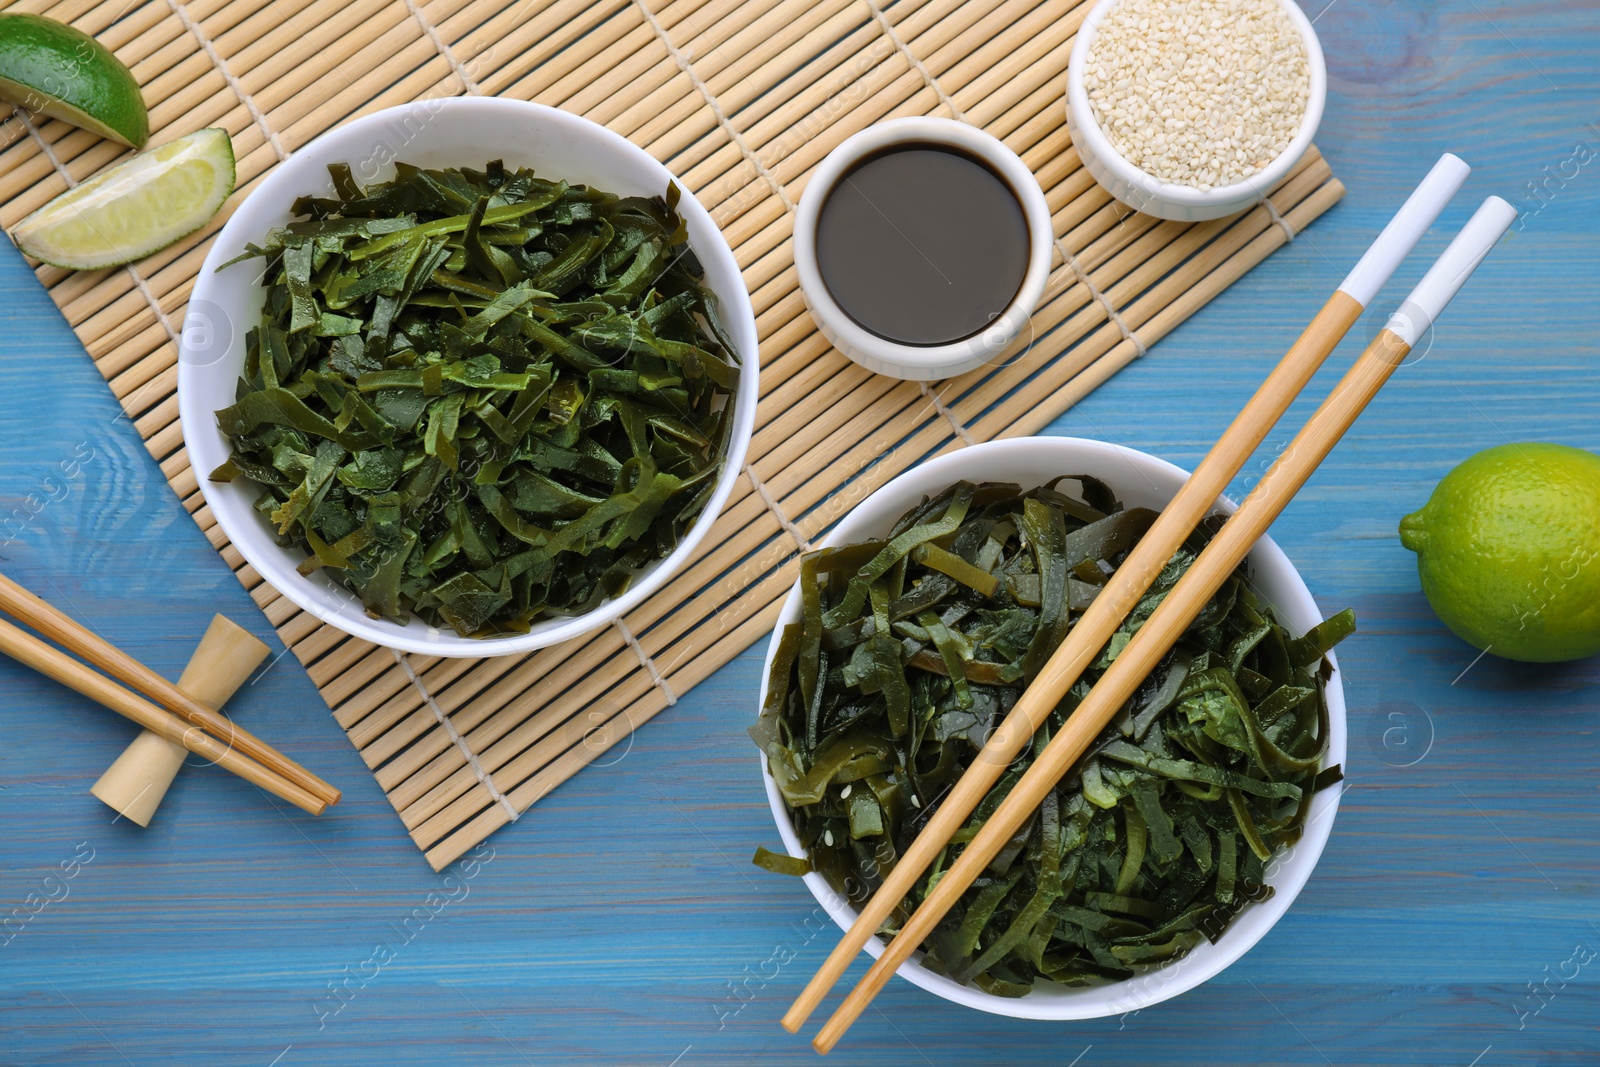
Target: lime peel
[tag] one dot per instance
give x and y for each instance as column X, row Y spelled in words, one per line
column 53, row 69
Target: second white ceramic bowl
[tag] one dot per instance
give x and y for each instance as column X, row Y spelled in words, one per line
column 447, row 132
column 1183, row 203
column 1139, row 480
column 922, row 362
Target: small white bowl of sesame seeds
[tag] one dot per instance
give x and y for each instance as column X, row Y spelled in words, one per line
column 1194, row 109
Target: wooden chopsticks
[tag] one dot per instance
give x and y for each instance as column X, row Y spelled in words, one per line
column 1213, row 566
column 196, row 727
column 1090, row 633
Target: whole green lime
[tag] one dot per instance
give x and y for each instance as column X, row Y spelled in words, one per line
column 51, row 68
column 1508, row 547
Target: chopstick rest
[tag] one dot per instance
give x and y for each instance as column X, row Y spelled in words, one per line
column 55, row 625
column 136, row 782
column 222, row 749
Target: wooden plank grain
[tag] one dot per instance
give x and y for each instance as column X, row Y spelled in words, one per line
column 622, row 922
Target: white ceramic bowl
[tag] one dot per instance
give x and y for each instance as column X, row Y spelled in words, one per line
column 1183, row 203
column 1139, row 480
column 435, row 133
column 921, row 362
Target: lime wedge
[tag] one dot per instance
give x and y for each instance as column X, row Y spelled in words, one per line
column 50, row 68
column 138, row 207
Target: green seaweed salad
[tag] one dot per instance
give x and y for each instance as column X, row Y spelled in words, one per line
column 911, row 649
column 482, row 397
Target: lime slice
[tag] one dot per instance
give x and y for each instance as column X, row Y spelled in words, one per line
column 138, row 207
column 51, row 68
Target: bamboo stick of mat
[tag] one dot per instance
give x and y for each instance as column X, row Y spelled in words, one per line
column 785, row 111
column 1176, row 521
column 497, row 749
column 684, row 663
column 50, row 661
column 800, row 492
column 61, row 628
column 738, row 517
column 172, row 415
column 1194, row 590
column 495, row 755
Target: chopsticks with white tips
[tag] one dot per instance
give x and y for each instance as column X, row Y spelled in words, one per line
column 1090, row 633
column 1213, row 566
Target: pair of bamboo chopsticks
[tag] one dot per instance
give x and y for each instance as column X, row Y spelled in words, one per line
column 184, row 721
column 1133, row 578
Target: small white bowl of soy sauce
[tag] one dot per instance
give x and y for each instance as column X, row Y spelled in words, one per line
column 922, row 246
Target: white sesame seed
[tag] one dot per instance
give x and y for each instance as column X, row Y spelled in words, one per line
column 1198, row 92
column 827, row 838
column 844, row 794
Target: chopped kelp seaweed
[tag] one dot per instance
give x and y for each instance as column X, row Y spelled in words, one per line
column 911, row 649
column 482, row 397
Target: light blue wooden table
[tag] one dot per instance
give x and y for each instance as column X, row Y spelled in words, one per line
column 621, row 923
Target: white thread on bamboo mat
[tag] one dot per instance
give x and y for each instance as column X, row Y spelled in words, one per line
column 227, row 75
column 1104, row 300
column 455, row 736
column 1066, row 256
column 632, row 642
column 444, row 49
column 916, row 64
column 72, row 183
column 737, row 138
column 777, row 512
column 733, row 133
column 644, row 658
column 472, row 89
column 1284, row 224
column 950, row 416
column 710, row 98
column 960, row 116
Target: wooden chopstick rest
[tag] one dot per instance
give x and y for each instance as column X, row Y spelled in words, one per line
column 50, row 661
column 136, row 782
column 77, row 639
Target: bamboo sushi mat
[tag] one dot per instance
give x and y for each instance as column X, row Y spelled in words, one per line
column 741, row 99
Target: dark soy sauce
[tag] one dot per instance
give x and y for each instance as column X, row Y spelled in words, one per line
column 922, row 244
